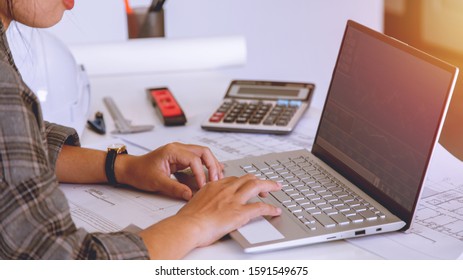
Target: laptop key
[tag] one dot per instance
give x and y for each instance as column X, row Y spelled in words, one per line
column 355, row 218
column 340, row 219
column 289, row 204
column 336, row 203
column 281, row 196
column 303, row 201
column 292, row 193
column 314, row 211
column 370, row 216
column 325, row 220
column 347, row 198
column 343, row 208
column 261, row 166
column 353, row 203
column 273, row 163
column 311, row 226
column 309, row 206
column 249, row 169
column 330, row 211
column 359, row 208
column 349, row 213
column 295, row 209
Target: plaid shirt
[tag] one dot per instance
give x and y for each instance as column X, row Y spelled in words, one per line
column 35, row 222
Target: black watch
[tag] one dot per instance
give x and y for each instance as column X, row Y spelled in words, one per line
column 113, row 151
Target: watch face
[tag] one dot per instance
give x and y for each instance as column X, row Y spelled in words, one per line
column 119, row 148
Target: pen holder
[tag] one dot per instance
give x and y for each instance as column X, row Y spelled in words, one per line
column 144, row 24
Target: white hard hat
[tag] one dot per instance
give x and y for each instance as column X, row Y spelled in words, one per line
column 50, row 70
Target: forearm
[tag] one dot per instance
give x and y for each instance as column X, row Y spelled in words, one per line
column 80, row 165
column 171, row 238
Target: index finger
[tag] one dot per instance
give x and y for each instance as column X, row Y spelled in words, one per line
column 250, row 187
column 214, row 167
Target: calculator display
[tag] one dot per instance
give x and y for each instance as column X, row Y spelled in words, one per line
column 268, row 91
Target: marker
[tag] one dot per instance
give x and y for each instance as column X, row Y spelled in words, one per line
column 128, row 9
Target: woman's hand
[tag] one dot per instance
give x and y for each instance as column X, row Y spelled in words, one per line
column 152, row 172
column 217, row 209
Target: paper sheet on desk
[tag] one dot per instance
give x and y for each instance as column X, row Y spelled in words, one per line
column 437, row 232
column 151, row 55
column 100, row 208
column 228, row 146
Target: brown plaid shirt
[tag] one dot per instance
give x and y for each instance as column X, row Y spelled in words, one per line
column 35, row 222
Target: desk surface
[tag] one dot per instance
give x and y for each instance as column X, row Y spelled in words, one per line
column 199, row 93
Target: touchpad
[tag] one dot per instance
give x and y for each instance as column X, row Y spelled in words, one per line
column 260, row 230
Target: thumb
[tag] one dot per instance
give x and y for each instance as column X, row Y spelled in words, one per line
column 174, row 188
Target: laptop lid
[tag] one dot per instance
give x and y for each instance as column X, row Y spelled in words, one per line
column 383, row 115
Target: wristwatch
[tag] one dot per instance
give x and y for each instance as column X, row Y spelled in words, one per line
column 113, row 151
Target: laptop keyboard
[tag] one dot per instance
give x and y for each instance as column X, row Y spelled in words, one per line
column 312, row 195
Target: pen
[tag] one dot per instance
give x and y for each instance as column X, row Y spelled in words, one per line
column 156, row 5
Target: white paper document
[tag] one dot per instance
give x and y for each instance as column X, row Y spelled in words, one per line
column 99, row 208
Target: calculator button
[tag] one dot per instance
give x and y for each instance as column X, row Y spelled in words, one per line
column 283, row 102
column 282, row 122
column 241, row 120
column 229, row 119
column 295, row 103
column 269, row 121
column 252, row 106
column 215, row 119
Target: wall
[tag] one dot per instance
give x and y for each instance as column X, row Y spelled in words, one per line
column 294, row 40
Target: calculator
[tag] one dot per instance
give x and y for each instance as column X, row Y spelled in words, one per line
column 261, row 107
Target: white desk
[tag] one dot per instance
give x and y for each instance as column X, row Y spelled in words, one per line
column 199, row 93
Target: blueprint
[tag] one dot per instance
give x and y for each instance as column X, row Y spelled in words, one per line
column 100, row 208
column 437, row 231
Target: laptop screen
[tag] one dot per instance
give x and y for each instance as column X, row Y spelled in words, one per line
column 383, row 115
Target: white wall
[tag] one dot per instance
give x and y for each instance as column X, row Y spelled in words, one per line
column 92, row 21
column 294, row 40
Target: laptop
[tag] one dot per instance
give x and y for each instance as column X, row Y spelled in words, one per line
column 365, row 172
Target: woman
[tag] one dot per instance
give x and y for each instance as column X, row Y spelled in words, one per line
column 35, row 155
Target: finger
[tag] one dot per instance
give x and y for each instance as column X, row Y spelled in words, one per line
column 252, row 187
column 197, row 169
column 173, row 188
column 258, row 209
column 190, row 158
column 222, row 167
column 209, row 160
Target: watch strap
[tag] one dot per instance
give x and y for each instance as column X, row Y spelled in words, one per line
column 109, row 166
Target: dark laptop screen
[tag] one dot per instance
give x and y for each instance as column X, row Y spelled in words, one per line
column 382, row 116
